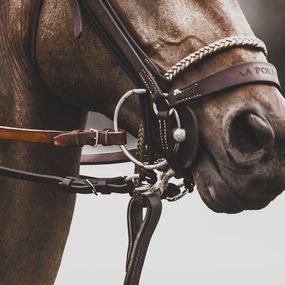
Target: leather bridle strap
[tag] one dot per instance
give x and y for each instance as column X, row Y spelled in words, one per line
column 81, row 185
column 235, row 76
column 140, row 232
column 101, row 16
column 107, row 25
column 65, row 138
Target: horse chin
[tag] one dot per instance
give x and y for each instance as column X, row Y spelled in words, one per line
column 216, row 193
column 212, row 188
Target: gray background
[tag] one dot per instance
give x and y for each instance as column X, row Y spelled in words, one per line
column 191, row 245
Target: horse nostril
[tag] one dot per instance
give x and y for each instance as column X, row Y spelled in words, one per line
column 249, row 133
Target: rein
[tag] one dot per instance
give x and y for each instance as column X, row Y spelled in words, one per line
column 169, row 108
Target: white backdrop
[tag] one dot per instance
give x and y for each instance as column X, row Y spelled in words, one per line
column 191, row 245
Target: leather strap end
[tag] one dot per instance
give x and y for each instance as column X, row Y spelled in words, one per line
column 75, row 138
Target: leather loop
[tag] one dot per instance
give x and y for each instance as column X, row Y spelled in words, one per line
column 75, row 138
column 140, row 233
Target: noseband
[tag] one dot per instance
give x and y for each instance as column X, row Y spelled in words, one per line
column 174, row 118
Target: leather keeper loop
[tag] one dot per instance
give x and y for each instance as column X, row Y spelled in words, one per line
column 83, row 137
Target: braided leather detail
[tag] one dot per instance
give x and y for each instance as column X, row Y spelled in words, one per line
column 140, row 151
column 213, row 48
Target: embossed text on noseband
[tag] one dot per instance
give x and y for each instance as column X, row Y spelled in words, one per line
column 256, row 71
column 264, row 70
column 246, row 73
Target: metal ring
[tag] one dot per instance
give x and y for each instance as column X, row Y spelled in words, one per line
column 116, row 128
column 95, row 139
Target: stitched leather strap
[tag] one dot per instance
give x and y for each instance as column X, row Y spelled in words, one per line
column 107, row 24
column 64, row 138
column 139, row 68
column 140, row 233
column 235, row 76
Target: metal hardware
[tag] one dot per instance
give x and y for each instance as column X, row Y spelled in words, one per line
column 96, row 137
column 116, row 128
column 92, row 187
column 179, row 135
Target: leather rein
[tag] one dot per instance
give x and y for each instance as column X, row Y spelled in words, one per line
column 155, row 98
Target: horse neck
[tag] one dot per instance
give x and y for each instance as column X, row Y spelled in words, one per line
column 20, row 87
column 168, row 31
column 14, row 43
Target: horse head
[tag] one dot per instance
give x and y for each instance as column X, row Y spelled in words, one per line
column 239, row 161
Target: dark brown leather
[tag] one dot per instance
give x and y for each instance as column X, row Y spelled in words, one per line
column 82, row 184
column 140, row 232
column 64, row 138
column 106, row 23
column 235, row 76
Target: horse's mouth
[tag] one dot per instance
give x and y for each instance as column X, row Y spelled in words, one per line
column 210, row 193
column 216, row 192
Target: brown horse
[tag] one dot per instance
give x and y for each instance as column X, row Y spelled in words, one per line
column 240, row 163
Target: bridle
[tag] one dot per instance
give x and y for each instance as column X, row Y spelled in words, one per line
column 177, row 124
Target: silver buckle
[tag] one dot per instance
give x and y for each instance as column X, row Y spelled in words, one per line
column 95, row 137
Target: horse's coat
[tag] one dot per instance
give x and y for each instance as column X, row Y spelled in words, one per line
column 35, row 223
